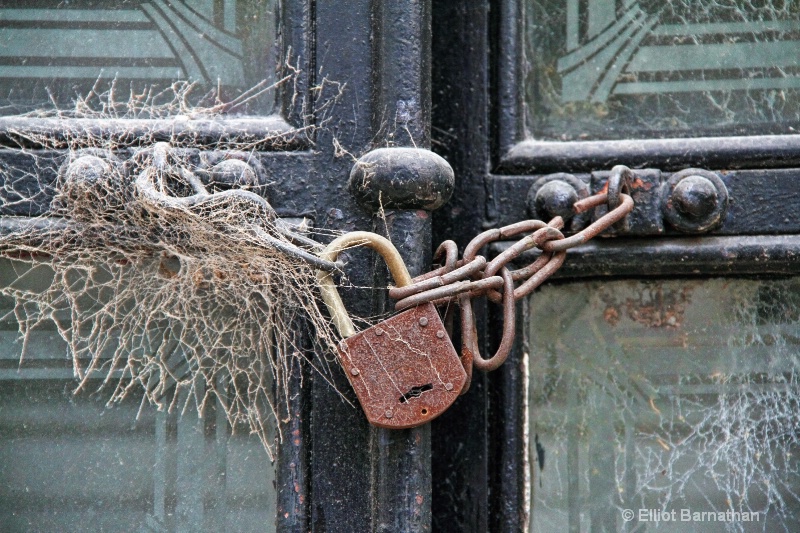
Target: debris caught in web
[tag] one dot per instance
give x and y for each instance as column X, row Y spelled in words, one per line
column 162, row 270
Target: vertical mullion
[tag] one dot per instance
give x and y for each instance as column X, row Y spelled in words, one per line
column 338, row 434
column 401, row 459
column 462, row 46
column 292, row 461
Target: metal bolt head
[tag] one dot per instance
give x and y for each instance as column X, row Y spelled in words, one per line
column 554, row 195
column 423, row 321
column 440, row 334
column 88, row 168
column 378, row 332
column 695, row 197
column 694, row 200
column 556, row 198
column 401, row 178
column 448, row 386
column 85, row 181
column 233, row 173
column 354, row 372
column 388, row 413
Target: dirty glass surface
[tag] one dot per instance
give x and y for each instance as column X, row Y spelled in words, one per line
column 69, row 461
column 665, row 406
column 604, row 69
column 53, row 53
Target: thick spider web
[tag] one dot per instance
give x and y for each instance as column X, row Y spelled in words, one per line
column 188, row 302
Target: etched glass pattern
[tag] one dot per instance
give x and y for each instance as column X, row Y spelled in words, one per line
column 603, row 69
column 53, row 52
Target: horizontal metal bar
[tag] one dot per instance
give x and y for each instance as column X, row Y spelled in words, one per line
column 257, row 133
column 760, row 201
column 691, row 256
column 756, row 151
column 15, row 224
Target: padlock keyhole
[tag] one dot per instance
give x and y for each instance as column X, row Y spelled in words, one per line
column 415, row 392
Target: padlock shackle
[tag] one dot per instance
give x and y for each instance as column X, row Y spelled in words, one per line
column 327, row 288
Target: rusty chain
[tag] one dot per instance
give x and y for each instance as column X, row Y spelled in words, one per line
column 461, row 281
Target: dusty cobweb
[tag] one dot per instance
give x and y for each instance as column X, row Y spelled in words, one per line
column 190, row 301
column 675, row 396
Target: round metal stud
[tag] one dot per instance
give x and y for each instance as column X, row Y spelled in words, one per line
column 232, row 169
column 233, row 173
column 554, row 195
column 423, row 321
column 695, row 197
column 89, row 169
column 556, row 198
column 86, row 179
column 694, row 200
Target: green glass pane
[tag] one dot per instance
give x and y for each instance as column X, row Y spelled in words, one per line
column 604, row 69
column 665, row 396
column 53, row 53
column 71, row 462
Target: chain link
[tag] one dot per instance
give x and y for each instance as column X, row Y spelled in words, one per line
column 462, row 281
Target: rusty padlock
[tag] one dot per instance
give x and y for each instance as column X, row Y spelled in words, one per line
column 405, row 370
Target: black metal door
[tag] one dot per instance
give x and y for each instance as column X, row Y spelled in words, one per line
column 508, row 92
column 311, row 86
column 692, row 300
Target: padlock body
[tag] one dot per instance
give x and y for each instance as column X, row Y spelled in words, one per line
column 405, row 370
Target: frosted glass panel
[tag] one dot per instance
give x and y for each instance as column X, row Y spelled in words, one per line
column 668, row 397
column 53, row 53
column 71, row 462
column 605, row 69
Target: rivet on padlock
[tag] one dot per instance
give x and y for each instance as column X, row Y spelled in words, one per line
column 404, row 373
